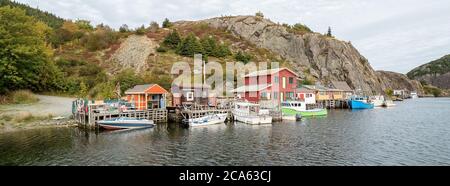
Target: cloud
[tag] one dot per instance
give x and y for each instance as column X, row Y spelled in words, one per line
column 393, row 35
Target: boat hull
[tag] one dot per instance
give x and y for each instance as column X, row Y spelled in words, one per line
column 207, row 120
column 289, row 112
column 254, row 120
column 354, row 104
column 116, row 124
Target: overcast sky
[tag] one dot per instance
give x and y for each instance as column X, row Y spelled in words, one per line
column 395, row 35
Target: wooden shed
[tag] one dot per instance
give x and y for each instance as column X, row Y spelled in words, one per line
column 148, row 96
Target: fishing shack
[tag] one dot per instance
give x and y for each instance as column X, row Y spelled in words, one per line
column 147, row 96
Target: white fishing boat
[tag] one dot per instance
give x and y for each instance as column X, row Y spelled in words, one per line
column 388, row 103
column 251, row 113
column 377, row 101
column 125, row 123
column 209, row 119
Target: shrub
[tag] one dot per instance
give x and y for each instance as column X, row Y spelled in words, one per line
column 161, row 49
column 23, row 97
column 140, row 31
column 243, row 57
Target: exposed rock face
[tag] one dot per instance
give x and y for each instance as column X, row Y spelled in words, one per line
column 395, row 80
column 436, row 73
column 134, row 52
column 325, row 58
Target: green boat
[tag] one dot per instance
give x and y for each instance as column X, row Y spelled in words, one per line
column 291, row 110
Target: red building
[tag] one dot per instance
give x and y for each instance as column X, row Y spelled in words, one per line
column 278, row 84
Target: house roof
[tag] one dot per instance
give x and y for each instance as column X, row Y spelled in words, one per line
column 304, row 90
column 146, row 88
column 321, row 88
column 342, row 85
column 192, row 85
column 268, row 72
column 251, row 88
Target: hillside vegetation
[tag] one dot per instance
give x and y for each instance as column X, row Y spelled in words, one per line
column 435, row 73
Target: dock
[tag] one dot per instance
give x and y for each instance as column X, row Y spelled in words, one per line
column 90, row 114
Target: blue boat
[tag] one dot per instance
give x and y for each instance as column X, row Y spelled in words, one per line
column 125, row 123
column 360, row 102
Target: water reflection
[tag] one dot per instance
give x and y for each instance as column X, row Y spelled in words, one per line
column 403, row 135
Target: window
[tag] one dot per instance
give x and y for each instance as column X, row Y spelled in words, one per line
column 284, row 82
column 263, row 95
column 291, row 80
column 275, row 95
column 190, row 96
column 276, row 79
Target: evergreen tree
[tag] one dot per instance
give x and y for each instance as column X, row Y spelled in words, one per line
column 166, row 23
column 190, row 46
column 209, row 45
column 172, row 39
column 329, row 32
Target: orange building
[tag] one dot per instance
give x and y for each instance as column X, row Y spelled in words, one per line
column 148, row 96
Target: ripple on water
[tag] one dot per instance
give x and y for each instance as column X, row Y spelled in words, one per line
column 415, row 132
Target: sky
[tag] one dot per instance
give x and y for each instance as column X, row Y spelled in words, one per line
column 394, row 35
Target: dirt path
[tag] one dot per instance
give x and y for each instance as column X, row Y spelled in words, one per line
column 57, row 106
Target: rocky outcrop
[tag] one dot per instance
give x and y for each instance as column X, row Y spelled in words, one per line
column 133, row 53
column 436, row 73
column 394, row 80
column 325, row 58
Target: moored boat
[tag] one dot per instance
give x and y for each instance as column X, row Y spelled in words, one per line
column 360, row 102
column 377, row 100
column 388, row 103
column 125, row 123
column 209, row 119
column 251, row 113
column 295, row 110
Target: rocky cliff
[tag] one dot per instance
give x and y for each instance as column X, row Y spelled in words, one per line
column 394, row 80
column 325, row 58
column 436, row 73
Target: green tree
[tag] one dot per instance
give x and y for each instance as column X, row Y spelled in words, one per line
column 209, row 45
column 189, row 46
column 389, row 92
column 140, row 30
column 84, row 25
column 166, row 23
column 124, row 28
column 242, row 57
column 84, row 90
column 329, row 34
column 127, row 79
column 25, row 59
column 172, row 39
column 259, row 14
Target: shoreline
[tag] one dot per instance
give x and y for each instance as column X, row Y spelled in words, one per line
column 8, row 127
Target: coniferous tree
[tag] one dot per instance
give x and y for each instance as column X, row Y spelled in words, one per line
column 172, row 39
column 329, row 34
column 166, row 23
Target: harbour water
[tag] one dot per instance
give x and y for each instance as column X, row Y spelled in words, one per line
column 415, row 132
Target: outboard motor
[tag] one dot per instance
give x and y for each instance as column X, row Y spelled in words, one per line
column 298, row 117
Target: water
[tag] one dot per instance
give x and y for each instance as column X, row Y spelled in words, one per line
column 416, row 132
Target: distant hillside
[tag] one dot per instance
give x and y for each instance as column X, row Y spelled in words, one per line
column 46, row 17
column 394, row 80
column 436, row 73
